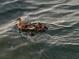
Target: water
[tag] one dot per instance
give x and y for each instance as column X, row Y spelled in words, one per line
column 60, row 41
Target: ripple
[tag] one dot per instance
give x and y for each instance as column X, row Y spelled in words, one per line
column 68, row 7
column 7, row 2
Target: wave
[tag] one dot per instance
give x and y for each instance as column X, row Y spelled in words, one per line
column 6, row 27
column 7, row 2
column 68, row 7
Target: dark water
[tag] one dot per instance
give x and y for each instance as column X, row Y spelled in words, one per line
column 60, row 41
